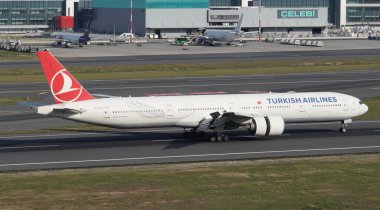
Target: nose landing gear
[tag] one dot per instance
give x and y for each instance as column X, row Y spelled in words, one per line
column 343, row 128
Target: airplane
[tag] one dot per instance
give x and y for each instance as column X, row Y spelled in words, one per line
column 213, row 36
column 69, row 39
column 262, row 114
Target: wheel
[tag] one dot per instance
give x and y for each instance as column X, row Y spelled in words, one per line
column 343, row 130
column 219, row 138
column 212, row 139
column 225, row 138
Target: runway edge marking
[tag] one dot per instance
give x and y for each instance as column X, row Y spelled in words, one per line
column 185, row 156
column 24, row 147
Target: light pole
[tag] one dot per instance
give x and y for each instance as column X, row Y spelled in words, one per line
column 259, row 20
column 131, row 23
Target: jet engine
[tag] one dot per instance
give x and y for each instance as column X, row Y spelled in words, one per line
column 266, row 126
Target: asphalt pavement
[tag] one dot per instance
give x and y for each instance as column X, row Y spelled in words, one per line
column 199, row 58
column 152, row 146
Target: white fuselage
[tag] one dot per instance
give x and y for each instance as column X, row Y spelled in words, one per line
column 222, row 35
column 72, row 38
column 190, row 111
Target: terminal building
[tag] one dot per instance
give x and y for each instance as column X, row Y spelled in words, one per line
column 359, row 12
column 169, row 18
column 31, row 15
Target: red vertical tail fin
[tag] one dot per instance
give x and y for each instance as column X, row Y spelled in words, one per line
column 63, row 86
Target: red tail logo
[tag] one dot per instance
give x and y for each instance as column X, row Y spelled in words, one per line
column 63, row 86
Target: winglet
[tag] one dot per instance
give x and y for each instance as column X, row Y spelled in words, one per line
column 64, row 87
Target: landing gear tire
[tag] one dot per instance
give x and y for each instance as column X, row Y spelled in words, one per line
column 212, row 138
column 219, row 138
column 343, row 130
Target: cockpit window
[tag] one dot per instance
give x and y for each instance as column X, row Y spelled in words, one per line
column 361, row 102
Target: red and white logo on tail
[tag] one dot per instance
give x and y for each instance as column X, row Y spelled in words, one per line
column 63, row 89
column 63, row 86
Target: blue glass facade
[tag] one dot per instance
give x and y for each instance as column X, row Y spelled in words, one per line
column 175, row 4
column 118, row 3
column 363, row 1
column 363, row 14
column 362, row 11
column 224, row 3
column 30, row 12
column 295, row 3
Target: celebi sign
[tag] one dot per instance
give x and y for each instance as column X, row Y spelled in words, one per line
column 297, row 13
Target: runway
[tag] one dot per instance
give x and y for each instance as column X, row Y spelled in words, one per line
column 120, row 147
column 167, row 146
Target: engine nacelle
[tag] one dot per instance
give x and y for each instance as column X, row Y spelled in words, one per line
column 267, row 126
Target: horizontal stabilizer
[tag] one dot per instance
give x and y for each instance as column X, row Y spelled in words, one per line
column 104, row 96
column 32, row 105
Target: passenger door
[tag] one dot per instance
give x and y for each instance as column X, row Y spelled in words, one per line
column 169, row 111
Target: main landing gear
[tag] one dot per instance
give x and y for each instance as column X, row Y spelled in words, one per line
column 218, row 138
column 194, row 133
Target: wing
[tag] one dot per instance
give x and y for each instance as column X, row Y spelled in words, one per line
column 228, row 120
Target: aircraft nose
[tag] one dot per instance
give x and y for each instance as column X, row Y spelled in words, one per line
column 365, row 108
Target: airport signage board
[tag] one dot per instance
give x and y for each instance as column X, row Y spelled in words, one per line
column 297, row 13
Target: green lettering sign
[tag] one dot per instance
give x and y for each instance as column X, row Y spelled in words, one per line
column 297, row 13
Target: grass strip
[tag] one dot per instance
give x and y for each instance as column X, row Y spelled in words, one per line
column 15, row 56
column 4, row 101
column 195, row 70
column 335, row 182
column 373, row 109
